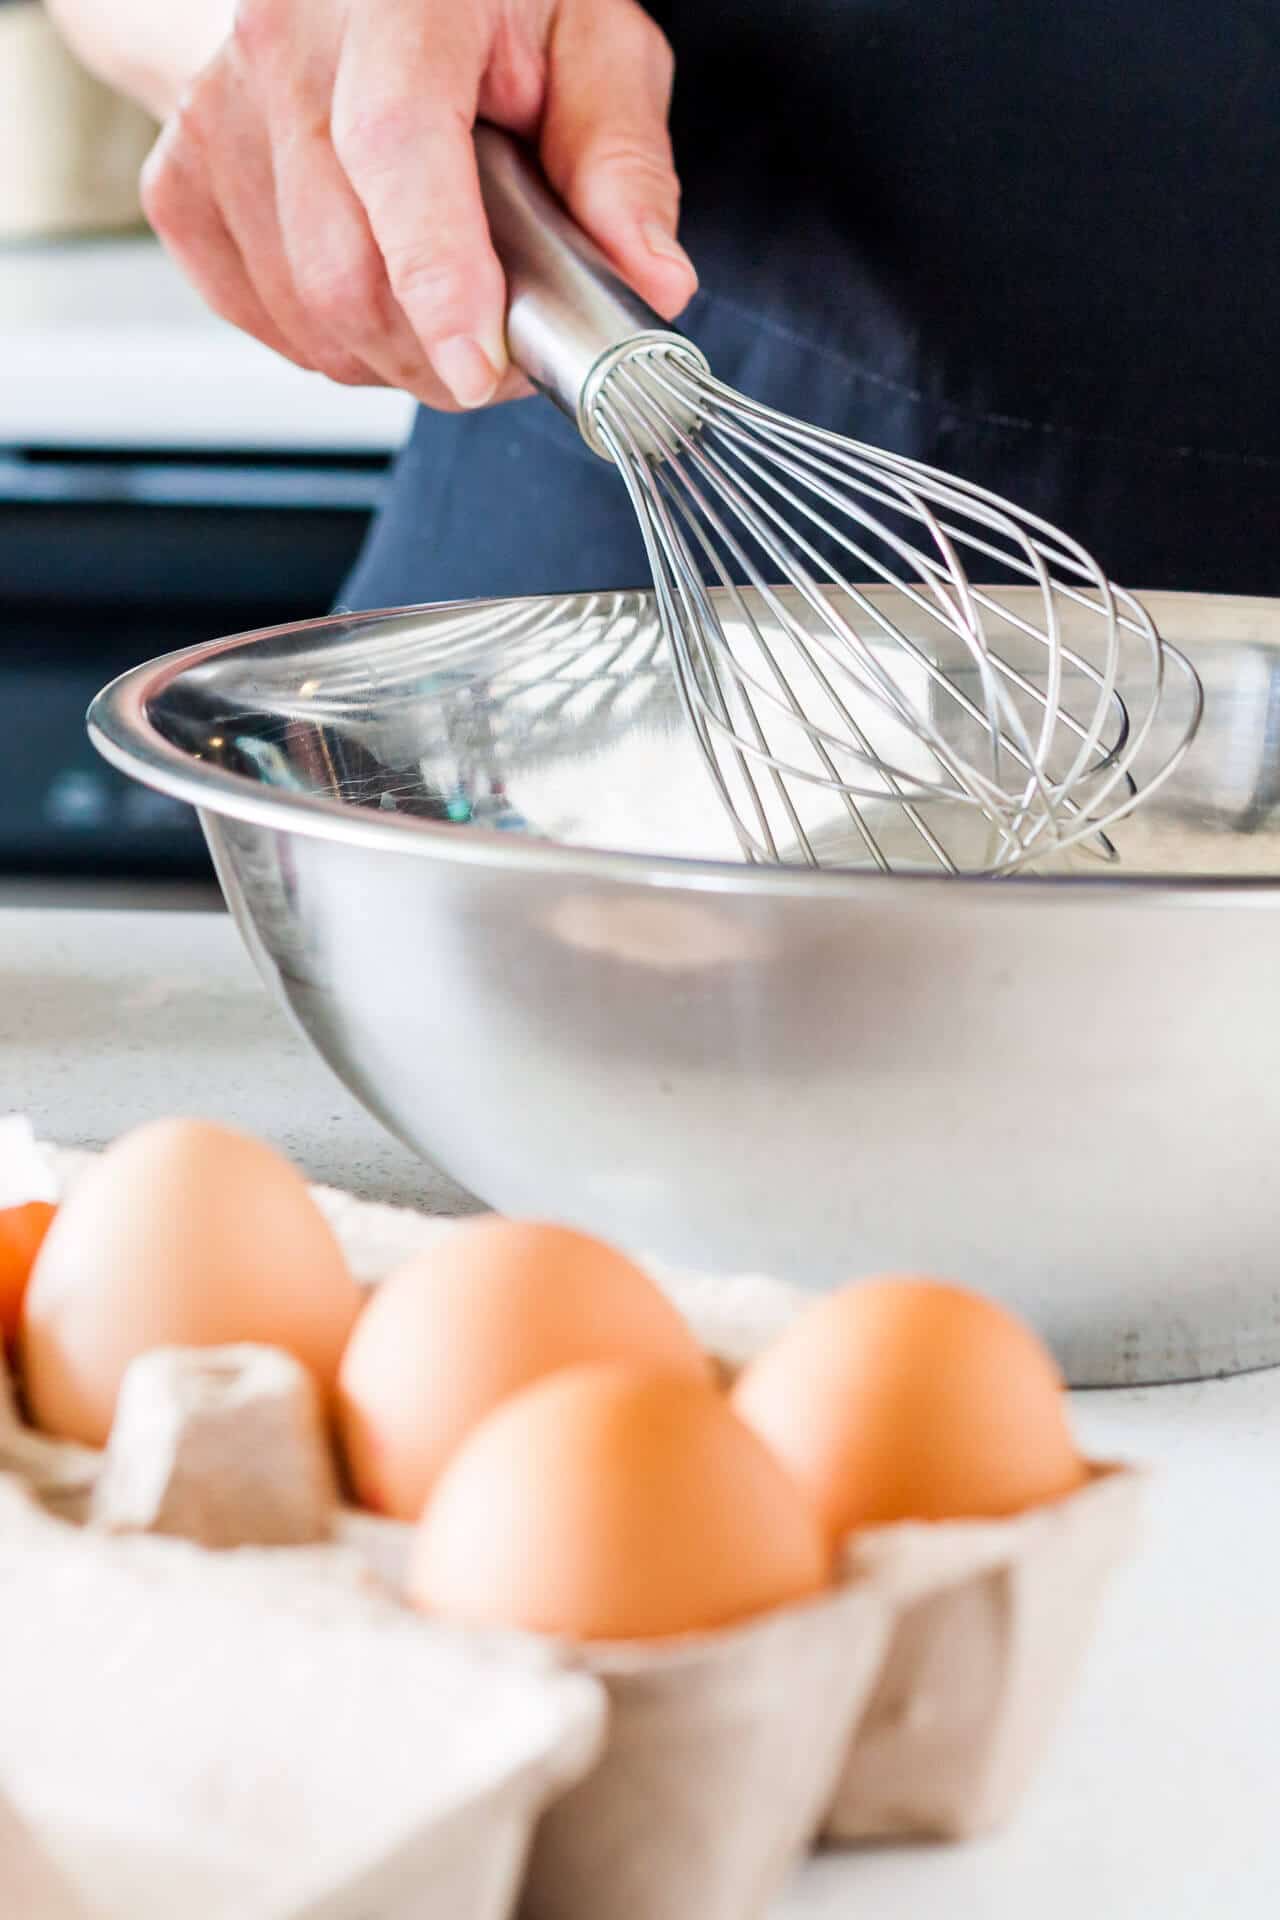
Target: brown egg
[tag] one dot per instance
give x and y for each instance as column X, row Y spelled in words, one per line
column 185, row 1235
column 472, row 1320
column 907, row 1399
column 607, row 1504
column 22, row 1231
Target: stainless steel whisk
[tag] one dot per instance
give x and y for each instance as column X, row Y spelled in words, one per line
column 869, row 704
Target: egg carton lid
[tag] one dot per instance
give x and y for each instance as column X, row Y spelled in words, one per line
column 160, row 1700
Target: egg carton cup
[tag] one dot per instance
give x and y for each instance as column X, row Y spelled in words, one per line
column 718, row 1768
column 913, row 1701
column 992, row 1620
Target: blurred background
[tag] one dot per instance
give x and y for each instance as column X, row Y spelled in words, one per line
column 163, row 479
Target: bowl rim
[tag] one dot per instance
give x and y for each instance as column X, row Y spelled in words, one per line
column 120, row 729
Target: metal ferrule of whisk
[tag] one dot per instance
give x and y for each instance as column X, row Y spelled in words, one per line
column 868, row 704
column 571, row 322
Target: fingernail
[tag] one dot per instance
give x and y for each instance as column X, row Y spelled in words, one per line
column 667, row 247
column 467, row 371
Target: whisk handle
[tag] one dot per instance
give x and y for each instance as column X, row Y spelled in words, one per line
column 570, row 319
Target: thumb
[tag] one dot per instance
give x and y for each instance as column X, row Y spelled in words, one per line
column 606, row 148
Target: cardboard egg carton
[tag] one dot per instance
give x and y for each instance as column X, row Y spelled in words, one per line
column 915, row 1699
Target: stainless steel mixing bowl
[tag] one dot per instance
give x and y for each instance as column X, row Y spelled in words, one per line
column 474, row 851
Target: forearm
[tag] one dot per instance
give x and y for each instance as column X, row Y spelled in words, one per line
column 148, row 49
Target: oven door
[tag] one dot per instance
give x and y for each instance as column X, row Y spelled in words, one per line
column 109, row 560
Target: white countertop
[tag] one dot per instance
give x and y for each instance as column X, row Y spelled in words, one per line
column 107, row 1019
column 1160, row 1798
column 102, row 343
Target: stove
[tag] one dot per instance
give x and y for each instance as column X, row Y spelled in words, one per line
column 163, row 479
column 107, row 559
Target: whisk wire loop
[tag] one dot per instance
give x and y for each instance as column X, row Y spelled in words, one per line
column 992, row 736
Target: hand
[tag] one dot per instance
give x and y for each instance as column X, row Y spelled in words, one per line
column 317, row 181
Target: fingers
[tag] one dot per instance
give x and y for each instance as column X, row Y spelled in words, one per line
column 404, row 105
column 289, row 56
column 328, row 245
column 606, row 147
column 179, row 204
column 209, row 191
column 241, row 168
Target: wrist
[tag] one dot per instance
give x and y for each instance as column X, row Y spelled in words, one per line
column 150, row 50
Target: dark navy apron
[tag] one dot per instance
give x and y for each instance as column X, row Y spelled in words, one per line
column 1038, row 246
